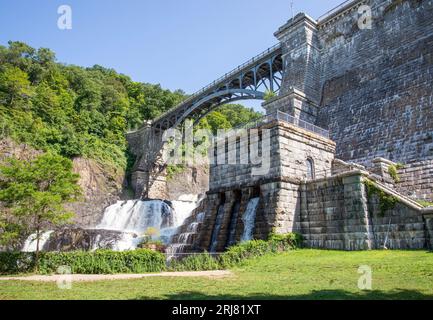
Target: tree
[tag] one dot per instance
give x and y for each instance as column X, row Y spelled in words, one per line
column 32, row 196
column 14, row 86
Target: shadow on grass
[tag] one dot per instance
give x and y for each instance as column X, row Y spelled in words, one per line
column 314, row 295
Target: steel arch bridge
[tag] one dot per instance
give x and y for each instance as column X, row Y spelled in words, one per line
column 251, row 80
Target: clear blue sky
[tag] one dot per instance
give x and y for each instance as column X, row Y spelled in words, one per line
column 182, row 44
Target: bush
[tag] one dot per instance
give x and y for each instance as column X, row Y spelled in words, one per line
column 16, row 262
column 425, row 203
column 143, row 260
column 287, row 241
column 236, row 255
column 82, row 262
column 198, row 262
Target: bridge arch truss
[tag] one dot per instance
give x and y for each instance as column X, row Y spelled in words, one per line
column 252, row 80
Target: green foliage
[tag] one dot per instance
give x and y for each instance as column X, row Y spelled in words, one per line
column 238, row 254
column 269, row 95
column 250, row 249
column 98, row 262
column 393, row 172
column 197, row 262
column 286, row 241
column 33, row 193
column 255, row 248
column 386, row 202
column 174, row 169
column 16, row 262
column 228, row 116
column 425, row 203
column 70, row 110
column 76, row 111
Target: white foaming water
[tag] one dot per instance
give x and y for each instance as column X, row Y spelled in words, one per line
column 193, row 227
column 217, row 228
column 185, row 239
column 135, row 217
column 249, row 219
column 31, row 243
column 183, row 208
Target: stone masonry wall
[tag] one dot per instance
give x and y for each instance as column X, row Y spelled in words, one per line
column 288, row 151
column 333, row 214
column 336, row 213
column 376, row 84
column 416, row 180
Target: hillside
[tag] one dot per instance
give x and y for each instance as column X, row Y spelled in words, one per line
column 83, row 114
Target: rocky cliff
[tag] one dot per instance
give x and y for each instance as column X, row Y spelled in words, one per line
column 101, row 185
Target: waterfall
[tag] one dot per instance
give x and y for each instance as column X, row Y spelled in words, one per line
column 184, row 207
column 217, row 228
column 233, row 223
column 123, row 226
column 31, row 243
column 138, row 216
column 249, row 219
column 185, row 240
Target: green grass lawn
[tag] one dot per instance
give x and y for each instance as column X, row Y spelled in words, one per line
column 300, row 274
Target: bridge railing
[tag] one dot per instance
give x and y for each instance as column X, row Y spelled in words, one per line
column 281, row 116
column 224, row 77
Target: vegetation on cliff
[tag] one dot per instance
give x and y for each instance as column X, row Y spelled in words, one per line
column 75, row 111
column 72, row 112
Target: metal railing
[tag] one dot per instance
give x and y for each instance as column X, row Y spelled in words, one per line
column 302, row 124
column 281, row 116
column 223, row 78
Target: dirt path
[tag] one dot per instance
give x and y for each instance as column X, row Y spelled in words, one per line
column 101, row 277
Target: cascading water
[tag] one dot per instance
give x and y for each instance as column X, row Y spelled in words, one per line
column 185, row 239
column 31, row 242
column 233, row 222
column 136, row 216
column 123, row 226
column 183, row 207
column 217, row 228
column 249, row 219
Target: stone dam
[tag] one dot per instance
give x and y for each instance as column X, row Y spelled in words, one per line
column 349, row 138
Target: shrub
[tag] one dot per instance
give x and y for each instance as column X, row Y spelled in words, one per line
column 393, row 172
column 283, row 242
column 16, row 262
column 425, row 203
column 198, row 262
column 386, row 202
column 238, row 254
column 98, row 262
